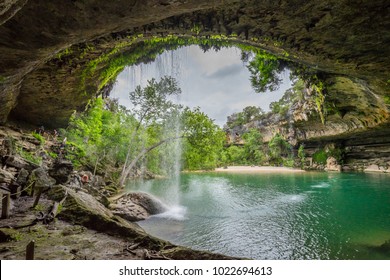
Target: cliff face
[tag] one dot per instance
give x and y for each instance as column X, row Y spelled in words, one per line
column 358, row 126
column 52, row 53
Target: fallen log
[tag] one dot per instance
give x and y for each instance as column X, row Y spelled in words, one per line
column 50, row 216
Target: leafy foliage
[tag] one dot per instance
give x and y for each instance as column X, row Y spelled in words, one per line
column 39, row 137
column 301, row 154
column 248, row 114
column 265, row 69
column 279, row 149
column 203, row 141
column 253, row 146
column 107, row 134
column 290, row 97
column 320, row 157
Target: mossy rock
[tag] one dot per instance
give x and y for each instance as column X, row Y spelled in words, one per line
column 8, row 234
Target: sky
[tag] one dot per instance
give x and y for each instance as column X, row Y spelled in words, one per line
column 217, row 82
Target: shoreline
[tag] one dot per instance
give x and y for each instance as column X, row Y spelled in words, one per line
column 259, row 169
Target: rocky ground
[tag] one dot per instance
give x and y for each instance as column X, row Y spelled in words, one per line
column 68, row 213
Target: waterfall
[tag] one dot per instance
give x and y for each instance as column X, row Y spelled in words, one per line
column 169, row 63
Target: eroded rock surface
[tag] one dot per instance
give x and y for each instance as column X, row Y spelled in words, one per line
column 137, row 206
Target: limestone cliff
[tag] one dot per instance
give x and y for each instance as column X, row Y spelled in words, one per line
column 357, row 124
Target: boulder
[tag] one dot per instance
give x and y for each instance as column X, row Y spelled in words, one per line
column 5, row 176
column 61, row 171
column 20, row 163
column 41, row 179
column 372, row 168
column 83, row 209
column 22, row 177
column 332, row 164
column 130, row 211
column 137, row 206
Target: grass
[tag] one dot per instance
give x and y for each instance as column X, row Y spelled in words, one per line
column 29, row 156
column 39, row 137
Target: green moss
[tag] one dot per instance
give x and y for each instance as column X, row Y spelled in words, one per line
column 65, row 52
column 320, row 157
column 53, row 155
column 2, row 79
column 387, row 100
column 39, row 207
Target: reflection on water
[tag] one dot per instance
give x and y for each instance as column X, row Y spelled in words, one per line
column 276, row 216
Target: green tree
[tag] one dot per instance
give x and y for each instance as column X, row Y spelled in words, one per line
column 301, row 154
column 235, row 155
column 279, row 149
column 248, row 114
column 203, row 142
column 253, row 146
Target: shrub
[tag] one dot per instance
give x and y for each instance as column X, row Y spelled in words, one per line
column 320, row 157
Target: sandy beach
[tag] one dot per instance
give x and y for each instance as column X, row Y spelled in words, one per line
column 258, row 169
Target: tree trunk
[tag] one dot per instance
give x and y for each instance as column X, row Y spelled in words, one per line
column 141, row 155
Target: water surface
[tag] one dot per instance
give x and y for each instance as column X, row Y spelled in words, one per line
column 275, row 216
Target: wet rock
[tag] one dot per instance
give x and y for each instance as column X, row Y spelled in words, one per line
column 130, row 211
column 6, row 146
column 61, row 171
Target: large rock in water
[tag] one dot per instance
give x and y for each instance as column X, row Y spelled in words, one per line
column 137, row 206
